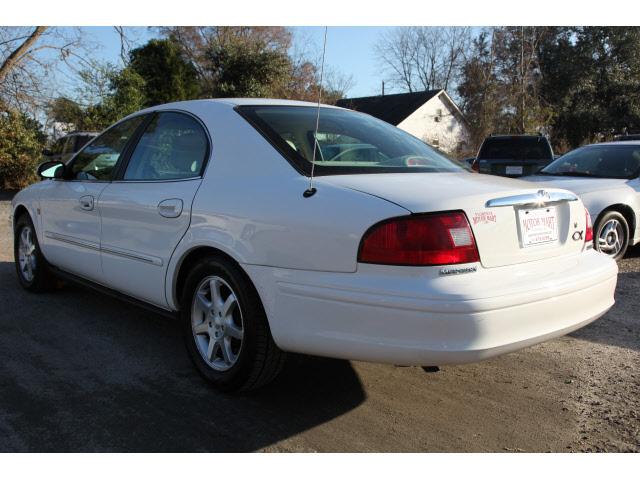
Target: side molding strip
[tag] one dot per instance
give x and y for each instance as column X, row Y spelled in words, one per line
column 108, row 250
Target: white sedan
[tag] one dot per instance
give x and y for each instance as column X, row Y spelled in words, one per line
column 606, row 176
column 205, row 210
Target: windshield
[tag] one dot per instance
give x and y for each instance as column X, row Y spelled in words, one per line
column 346, row 142
column 604, row 161
column 515, row 148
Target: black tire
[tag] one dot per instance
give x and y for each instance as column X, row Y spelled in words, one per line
column 42, row 279
column 259, row 359
column 609, row 216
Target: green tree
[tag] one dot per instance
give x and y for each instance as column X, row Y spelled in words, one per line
column 592, row 77
column 239, row 70
column 167, row 76
column 21, row 143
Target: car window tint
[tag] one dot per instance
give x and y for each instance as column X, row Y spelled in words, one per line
column 515, row 148
column 97, row 160
column 173, row 146
column 345, row 142
column 68, row 145
column 607, row 161
column 82, row 140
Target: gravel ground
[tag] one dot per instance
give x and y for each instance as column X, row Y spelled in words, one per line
column 83, row 372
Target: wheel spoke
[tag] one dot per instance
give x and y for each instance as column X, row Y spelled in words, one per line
column 227, row 354
column 211, row 348
column 216, row 296
column 229, row 305
column 202, row 303
column 201, row 328
column 233, row 331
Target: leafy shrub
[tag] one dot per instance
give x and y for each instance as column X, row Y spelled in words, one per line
column 21, row 145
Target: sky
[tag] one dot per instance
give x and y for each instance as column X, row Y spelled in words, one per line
column 349, row 50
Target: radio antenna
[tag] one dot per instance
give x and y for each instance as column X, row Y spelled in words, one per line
column 312, row 190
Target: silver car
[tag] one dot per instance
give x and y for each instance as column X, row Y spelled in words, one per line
column 606, row 177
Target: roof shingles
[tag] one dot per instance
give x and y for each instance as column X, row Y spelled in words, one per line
column 393, row 108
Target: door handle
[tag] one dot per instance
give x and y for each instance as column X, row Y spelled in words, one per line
column 170, row 208
column 86, row 202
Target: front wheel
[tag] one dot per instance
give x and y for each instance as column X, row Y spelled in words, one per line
column 612, row 235
column 225, row 327
column 31, row 267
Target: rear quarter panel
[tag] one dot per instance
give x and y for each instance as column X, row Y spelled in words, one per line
column 251, row 207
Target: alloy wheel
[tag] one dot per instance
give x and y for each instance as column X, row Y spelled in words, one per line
column 611, row 238
column 216, row 323
column 27, row 254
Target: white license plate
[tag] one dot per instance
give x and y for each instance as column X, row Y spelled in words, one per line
column 538, row 225
column 514, row 170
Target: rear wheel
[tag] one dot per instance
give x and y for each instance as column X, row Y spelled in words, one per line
column 612, row 235
column 226, row 330
column 31, row 267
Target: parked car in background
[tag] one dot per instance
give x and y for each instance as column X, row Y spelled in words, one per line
column 67, row 146
column 397, row 255
column 513, row 155
column 606, row 177
column 627, row 137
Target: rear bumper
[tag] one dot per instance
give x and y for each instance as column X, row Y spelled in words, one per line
column 414, row 316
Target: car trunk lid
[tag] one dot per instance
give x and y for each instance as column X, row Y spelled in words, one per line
column 511, row 220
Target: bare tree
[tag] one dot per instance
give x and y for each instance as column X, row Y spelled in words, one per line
column 28, row 60
column 423, row 58
column 20, row 52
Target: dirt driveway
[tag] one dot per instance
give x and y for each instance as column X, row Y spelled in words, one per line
column 83, row 372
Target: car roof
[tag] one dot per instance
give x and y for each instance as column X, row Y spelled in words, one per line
column 233, row 102
column 614, row 144
column 515, row 136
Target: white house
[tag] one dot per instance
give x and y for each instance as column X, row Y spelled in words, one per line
column 432, row 116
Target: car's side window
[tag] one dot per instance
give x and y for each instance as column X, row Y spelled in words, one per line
column 98, row 159
column 173, row 146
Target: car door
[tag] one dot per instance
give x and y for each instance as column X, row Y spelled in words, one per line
column 69, row 206
column 146, row 210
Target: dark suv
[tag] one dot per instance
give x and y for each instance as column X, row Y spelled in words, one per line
column 513, row 155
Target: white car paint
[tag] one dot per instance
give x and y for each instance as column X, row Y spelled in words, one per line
column 599, row 194
column 301, row 253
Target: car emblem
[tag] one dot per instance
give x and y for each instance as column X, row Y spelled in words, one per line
column 577, row 235
column 543, row 195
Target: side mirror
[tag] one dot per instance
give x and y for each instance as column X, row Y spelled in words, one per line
column 51, row 169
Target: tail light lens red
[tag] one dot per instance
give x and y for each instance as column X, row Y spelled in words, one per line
column 420, row 240
column 588, row 235
column 475, row 166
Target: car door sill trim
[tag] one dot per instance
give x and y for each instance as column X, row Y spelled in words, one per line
column 132, row 255
column 113, row 293
column 109, row 250
column 72, row 240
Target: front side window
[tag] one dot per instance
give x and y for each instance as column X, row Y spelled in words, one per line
column 603, row 161
column 346, row 142
column 173, row 146
column 98, row 160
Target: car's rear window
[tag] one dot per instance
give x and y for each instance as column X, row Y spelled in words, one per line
column 604, row 161
column 515, row 148
column 346, row 142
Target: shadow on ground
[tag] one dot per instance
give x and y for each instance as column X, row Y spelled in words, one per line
column 83, row 372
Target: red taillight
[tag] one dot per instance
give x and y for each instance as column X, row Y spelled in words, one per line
column 475, row 166
column 588, row 235
column 420, row 240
